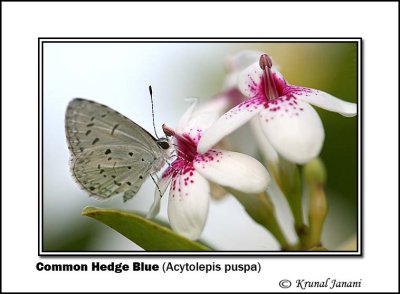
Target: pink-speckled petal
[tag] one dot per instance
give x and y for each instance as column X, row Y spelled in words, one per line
column 250, row 80
column 163, row 184
column 188, row 204
column 293, row 128
column 326, row 101
column 229, row 122
column 198, row 118
column 231, row 169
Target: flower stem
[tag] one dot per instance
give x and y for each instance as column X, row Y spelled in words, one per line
column 261, row 209
column 289, row 180
column 315, row 176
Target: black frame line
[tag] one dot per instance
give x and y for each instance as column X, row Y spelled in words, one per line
column 219, row 253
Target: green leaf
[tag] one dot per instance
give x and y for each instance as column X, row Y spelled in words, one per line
column 143, row 232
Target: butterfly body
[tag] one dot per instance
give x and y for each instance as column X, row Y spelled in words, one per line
column 110, row 153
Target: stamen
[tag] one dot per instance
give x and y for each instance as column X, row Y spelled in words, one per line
column 270, row 88
column 168, row 131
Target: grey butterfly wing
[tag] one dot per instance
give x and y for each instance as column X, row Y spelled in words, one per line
column 105, row 172
column 111, row 154
column 89, row 124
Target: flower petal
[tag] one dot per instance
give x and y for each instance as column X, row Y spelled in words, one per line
column 293, row 128
column 268, row 152
column 326, row 101
column 188, row 113
column 222, row 102
column 163, row 184
column 229, row 122
column 188, row 204
column 250, row 80
column 196, row 119
column 242, row 59
column 231, row 169
column 236, row 63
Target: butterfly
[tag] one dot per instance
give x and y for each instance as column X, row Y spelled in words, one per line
column 110, row 154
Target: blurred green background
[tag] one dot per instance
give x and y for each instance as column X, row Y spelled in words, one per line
column 118, row 75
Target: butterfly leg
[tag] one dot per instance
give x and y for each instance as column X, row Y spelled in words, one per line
column 156, row 184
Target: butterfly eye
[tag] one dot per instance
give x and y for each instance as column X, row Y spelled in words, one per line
column 164, row 145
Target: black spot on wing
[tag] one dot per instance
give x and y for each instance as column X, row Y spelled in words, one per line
column 95, row 141
column 108, row 151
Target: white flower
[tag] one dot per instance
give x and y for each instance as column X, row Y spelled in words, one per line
column 190, row 172
column 235, row 64
column 290, row 124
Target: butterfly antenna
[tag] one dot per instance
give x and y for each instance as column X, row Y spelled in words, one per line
column 152, row 110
